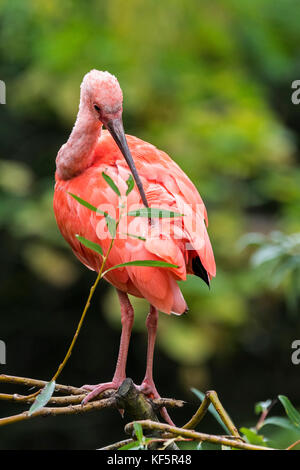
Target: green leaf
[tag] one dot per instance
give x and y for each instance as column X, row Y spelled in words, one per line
column 153, row 212
column 131, row 446
column 111, row 225
column 43, row 398
column 151, row 263
column 135, row 236
column 281, row 422
column 111, row 183
column 210, row 446
column 282, row 271
column 262, row 406
column 211, row 409
column 290, row 410
column 266, row 253
column 87, row 204
column 110, row 221
column 83, row 202
column 138, row 432
column 251, row 238
column 89, row 244
column 130, row 184
column 136, row 445
column 253, row 438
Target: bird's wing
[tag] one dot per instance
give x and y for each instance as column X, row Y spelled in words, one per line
column 168, row 186
column 174, row 240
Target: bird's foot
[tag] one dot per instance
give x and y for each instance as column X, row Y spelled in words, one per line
column 95, row 390
column 148, row 388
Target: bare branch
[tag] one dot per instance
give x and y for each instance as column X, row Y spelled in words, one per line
column 39, row 384
column 198, row 436
column 167, row 403
column 212, row 397
column 66, row 410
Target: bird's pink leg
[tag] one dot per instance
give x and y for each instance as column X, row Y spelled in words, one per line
column 148, row 386
column 127, row 317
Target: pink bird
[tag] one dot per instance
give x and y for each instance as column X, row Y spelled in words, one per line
column 182, row 241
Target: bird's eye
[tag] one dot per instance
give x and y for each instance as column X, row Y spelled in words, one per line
column 96, row 107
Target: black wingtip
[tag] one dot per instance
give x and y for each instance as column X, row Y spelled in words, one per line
column 200, row 271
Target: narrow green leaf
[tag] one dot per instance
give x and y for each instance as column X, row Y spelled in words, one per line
column 89, row 244
column 153, row 212
column 111, row 225
column 110, row 221
column 131, row 446
column 130, row 184
column 43, row 398
column 135, row 236
column 111, row 183
column 290, row 410
column 151, row 263
column 83, row 202
column 138, row 432
column 211, row 409
column 87, row 204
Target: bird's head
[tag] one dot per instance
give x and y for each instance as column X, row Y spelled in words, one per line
column 101, row 92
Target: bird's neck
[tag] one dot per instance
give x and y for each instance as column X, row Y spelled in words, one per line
column 77, row 153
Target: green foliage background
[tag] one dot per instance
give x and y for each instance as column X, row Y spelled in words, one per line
column 208, row 82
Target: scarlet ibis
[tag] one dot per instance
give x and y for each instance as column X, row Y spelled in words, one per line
column 160, row 182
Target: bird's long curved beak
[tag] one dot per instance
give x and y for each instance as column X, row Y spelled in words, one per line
column 116, row 129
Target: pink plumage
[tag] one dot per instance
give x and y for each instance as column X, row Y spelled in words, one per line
column 182, row 240
column 166, row 186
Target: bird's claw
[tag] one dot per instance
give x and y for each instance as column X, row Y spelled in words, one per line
column 95, row 390
column 147, row 387
column 149, row 390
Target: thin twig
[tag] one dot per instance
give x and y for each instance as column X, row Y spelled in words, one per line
column 66, row 410
column 223, row 413
column 264, row 414
column 237, row 444
column 293, row 445
column 212, row 397
column 167, row 403
column 199, row 415
column 83, row 315
column 117, row 445
column 67, row 400
column 27, row 382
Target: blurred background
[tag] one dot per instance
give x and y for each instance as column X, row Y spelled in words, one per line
column 209, row 83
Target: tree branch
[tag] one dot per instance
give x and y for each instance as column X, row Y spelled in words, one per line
column 212, row 397
column 64, row 410
column 39, row 384
column 139, row 408
column 198, row 436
